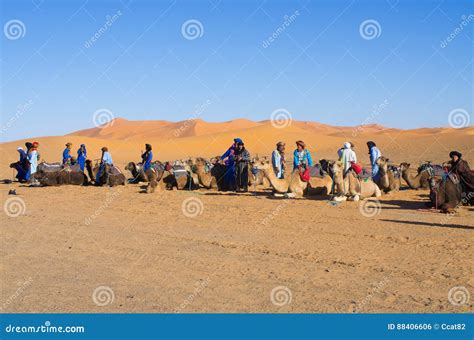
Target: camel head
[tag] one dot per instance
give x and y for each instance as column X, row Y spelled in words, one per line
column 132, row 166
column 382, row 161
column 404, row 166
column 261, row 164
column 337, row 168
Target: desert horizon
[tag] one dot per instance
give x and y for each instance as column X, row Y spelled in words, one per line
column 196, row 137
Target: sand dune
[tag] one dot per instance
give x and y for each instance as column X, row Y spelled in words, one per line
column 174, row 140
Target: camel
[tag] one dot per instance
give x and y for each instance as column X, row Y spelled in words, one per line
column 111, row 175
column 389, row 177
column 140, row 176
column 204, row 171
column 293, row 186
column 55, row 174
column 256, row 176
column 445, row 193
column 351, row 187
column 414, row 178
column 175, row 175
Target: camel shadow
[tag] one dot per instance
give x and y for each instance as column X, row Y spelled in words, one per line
column 404, row 204
column 429, row 224
column 229, row 193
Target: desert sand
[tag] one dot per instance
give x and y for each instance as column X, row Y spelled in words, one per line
column 70, row 241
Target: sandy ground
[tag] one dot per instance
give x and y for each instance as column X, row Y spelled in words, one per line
column 88, row 249
column 151, row 257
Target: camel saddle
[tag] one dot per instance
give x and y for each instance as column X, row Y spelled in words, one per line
column 176, row 170
column 50, row 167
column 396, row 171
column 434, row 170
column 364, row 175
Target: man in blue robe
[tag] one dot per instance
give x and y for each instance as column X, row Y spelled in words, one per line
column 229, row 156
column 67, row 154
column 82, row 156
column 147, row 157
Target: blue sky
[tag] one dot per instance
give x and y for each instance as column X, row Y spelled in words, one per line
column 319, row 66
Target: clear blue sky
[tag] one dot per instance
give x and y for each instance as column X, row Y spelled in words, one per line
column 319, row 67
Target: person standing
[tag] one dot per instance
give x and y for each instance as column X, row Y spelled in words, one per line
column 374, row 154
column 67, row 154
column 22, row 165
column 33, row 157
column 229, row 158
column 278, row 160
column 347, row 156
column 301, row 157
column 242, row 159
column 147, row 157
column 82, row 156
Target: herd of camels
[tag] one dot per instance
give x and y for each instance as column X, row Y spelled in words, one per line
column 327, row 178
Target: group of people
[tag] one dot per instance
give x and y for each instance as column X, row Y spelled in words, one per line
column 28, row 162
column 236, row 159
column 302, row 157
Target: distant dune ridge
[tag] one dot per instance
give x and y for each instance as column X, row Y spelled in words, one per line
column 195, row 137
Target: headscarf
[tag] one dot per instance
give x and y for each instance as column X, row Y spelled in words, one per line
column 238, row 140
column 370, row 145
column 455, row 153
column 301, row 143
column 347, row 145
column 148, row 147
